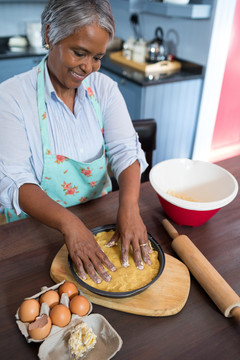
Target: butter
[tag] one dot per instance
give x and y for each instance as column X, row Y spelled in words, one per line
column 82, row 340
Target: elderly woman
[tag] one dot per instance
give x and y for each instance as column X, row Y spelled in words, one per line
column 61, row 123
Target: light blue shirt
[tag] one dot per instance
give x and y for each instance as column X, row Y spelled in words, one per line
column 76, row 136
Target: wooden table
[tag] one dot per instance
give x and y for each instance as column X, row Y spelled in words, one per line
column 198, row 332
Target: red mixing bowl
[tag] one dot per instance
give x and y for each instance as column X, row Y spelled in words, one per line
column 192, row 191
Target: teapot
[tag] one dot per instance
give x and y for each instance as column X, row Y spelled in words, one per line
column 156, row 49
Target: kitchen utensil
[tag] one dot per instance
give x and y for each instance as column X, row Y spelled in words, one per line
column 212, row 282
column 192, row 191
column 156, row 49
column 155, row 246
column 161, row 67
column 167, row 296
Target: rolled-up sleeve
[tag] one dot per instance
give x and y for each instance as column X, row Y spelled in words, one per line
column 122, row 154
column 122, row 142
column 15, row 166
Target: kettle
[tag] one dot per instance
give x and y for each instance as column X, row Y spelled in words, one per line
column 156, row 49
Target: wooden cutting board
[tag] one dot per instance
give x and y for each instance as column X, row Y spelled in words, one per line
column 167, row 296
column 159, row 67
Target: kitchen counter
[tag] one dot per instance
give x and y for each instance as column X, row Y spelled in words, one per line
column 189, row 71
column 6, row 53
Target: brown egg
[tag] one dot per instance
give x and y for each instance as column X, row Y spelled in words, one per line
column 50, row 297
column 79, row 305
column 69, row 288
column 29, row 310
column 60, row 315
column 40, row 328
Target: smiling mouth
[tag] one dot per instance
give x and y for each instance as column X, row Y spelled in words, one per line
column 77, row 76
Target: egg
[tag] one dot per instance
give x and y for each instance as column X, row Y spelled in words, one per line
column 29, row 310
column 40, row 328
column 69, row 288
column 50, row 297
column 60, row 315
column 79, row 305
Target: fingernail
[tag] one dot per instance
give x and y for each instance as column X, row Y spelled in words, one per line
column 108, row 278
column 125, row 263
column 98, row 281
column 140, row 266
column 113, row 268
column 84, row 277
column 110, row 244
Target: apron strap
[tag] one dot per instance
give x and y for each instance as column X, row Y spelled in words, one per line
column 42, row 114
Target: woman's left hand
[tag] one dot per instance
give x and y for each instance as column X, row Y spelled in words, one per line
column 132, row 231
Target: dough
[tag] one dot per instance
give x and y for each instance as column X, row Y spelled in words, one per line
column 124, row 279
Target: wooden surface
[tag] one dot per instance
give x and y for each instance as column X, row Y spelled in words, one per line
column 159, row 67
column 199, row 331
column 168, row 294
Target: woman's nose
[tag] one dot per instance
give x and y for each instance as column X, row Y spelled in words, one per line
column 87, row 65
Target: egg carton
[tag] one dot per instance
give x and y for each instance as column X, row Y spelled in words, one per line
column 44, row 309
column 54, row 346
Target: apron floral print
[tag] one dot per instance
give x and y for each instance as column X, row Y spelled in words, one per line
column 65, row 180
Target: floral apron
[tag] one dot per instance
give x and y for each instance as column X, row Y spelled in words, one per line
column 65, row 180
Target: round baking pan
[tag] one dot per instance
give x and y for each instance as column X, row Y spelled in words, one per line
column 155, row 246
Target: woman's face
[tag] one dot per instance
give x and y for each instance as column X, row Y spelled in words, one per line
column 77, row 56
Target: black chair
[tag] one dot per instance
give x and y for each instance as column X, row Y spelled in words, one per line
column 146, row 130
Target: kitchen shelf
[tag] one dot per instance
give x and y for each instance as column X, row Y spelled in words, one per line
column 193, row 10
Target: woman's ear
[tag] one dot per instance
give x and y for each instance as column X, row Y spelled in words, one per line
column 46, row 35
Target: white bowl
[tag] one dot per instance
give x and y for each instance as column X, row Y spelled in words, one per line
column 204, row 189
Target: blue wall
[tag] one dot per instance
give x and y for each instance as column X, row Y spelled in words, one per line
column 13, row 17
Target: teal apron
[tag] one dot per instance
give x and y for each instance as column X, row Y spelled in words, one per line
column 67, row 181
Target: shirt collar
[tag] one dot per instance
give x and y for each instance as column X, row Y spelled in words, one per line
column 50, row 91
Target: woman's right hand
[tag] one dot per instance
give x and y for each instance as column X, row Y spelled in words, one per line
column 86, row 253
column 82, row 246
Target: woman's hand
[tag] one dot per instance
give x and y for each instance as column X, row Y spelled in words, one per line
column 132, row 232
column 86, row 254
column 82, row 246
column 130, row 227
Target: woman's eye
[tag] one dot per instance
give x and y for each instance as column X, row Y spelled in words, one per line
column 98, row 58
column 78, row 54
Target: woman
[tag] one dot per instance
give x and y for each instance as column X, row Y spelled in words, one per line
column 60, row 122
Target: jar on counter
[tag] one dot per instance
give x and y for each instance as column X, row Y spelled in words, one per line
column 128, row 48
column 139, row 51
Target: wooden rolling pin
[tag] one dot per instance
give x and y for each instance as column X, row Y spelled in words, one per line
column 212, row 282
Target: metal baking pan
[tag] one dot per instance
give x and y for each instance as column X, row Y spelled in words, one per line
column 155, row 246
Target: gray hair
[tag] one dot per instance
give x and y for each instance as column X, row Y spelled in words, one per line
column 64, row 17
